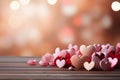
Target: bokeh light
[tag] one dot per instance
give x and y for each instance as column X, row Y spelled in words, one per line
column 34, row 27
column 14, row 5
column 115, row 6
column 52, row 2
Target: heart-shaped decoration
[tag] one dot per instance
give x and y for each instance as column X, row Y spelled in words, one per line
column 32, row 62
column 107, row 49
column 78, row 61
column 100, row 55
column 96, row 59
column 60, row 63
column 105, row 64
column 87, row 50
column 113, row 61
column 97, row 47
column 89, row 66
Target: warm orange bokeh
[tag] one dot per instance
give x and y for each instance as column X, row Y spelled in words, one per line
column 34, row 27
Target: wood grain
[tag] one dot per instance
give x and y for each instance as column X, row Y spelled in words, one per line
column 16, row 68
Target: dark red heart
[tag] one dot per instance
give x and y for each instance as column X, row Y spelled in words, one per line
column 97, row 61
column 101, row 56
column 67, row 59
column 105, row 64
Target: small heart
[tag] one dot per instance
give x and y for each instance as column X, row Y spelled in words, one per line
column 113, row 61
column 105, row 64
column 71, row 51
column 100, row 55
column 107, row 49
column 42, row 63
column 87, row 50
column 97, row 47
column 89, row 66
column 78, row 61
column 32, row 62
column 96, row 59
column 60, row 63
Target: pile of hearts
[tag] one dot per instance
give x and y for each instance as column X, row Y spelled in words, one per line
column 91, row 57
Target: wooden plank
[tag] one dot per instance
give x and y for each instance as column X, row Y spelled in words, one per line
column 16, row 68
column 62, row 72
column 60, row 76
column 11, row 59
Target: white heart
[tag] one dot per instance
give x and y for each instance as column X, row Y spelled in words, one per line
column 60, row 63
column 89, row 66
column 87, row 50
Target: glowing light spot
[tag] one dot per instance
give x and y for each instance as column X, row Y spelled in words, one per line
column 14, row 5
column 106, row 22
column 115, row 6
column 69, row 10
column 24, row 2
column 66, row 35
column 52, row 2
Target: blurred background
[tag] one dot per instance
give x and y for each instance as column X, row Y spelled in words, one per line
column 34, row 27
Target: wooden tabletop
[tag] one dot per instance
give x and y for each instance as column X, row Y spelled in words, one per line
column 16, row 68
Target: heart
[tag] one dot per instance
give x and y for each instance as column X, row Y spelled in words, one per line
column 89, row 66
column 78, row 61
column 32, row 62
column 107, row 49
column 60, row 63
column 100, row 55
column 71, row 51
column 97, row 47
column 97, row 61
column 87, row 50
column 42, row 63
column 113, row 61
column 105, row 64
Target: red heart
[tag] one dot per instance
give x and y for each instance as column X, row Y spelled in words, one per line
column 67, row 59
column 100, row 56
column 111, row 54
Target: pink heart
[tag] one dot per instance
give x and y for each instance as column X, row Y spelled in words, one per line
column 113, row 61
column 60, row 63
column 89, row 66
column 107, row 49
column 42, row 63
column 71, row 51
column 97, row 47
column 32, row 62
column 87, row 50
